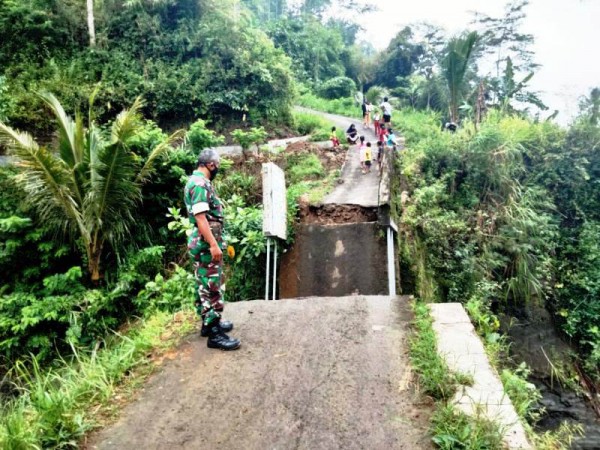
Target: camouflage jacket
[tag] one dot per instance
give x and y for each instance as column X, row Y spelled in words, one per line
column 200, row 197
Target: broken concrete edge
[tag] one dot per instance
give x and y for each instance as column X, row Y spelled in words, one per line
column 464, row 352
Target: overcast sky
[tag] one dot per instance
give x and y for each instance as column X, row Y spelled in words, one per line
column 567, row 38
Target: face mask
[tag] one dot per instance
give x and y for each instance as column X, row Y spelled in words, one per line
column 213, row 172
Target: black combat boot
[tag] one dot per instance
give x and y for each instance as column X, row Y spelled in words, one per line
column 225, row 325
column 218, row 339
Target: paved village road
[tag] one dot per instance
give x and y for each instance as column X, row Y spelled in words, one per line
column 316, row 373
column 355, row 188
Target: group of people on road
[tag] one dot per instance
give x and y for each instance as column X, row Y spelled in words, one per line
column 379, row 117
column 382, row 121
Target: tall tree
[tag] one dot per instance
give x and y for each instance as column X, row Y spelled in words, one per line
column 455, row 65
column 501, row 38
column 90, row 22
column 399, row 59
column 590, row 107
column 267, row 10
column 317, row 50
column 89, row 184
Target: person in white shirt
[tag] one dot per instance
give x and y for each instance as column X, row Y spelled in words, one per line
column 367, row 114
column 386, row 109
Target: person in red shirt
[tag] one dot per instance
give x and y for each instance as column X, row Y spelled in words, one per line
column 382, row 134
column 376, row 122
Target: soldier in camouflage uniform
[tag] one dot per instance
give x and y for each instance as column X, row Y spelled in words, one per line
column 205, row 246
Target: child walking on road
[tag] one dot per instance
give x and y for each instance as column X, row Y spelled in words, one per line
column 361, row 153
column 334, row 139
column 368, row 157
column 382, row 135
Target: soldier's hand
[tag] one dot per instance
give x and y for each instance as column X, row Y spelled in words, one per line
column 216, row 253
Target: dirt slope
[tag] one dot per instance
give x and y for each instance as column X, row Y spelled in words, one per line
column 318, row 373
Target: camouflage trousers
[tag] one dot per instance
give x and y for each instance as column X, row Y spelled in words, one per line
column 208, row 295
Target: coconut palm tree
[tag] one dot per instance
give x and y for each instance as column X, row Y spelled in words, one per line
column 88, row 183
column 454, row 67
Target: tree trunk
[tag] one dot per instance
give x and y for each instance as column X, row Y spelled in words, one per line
column 453, row 109
column 90, row 21
column 94, row 252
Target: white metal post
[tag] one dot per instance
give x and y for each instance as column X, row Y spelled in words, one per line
column 275, row 269
column 268, row 269
column 391, row 262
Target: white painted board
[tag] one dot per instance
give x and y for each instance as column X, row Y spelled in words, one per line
column 274, row 201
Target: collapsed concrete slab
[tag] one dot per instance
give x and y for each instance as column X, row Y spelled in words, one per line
column 335, row 260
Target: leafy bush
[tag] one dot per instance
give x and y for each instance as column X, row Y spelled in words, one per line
column 167, row 294
column 317, row 126
column 578, row 293
column 244, row 275
column 199, row 137
column 28, row 251
column 241, row 185
column 246, row 139
column 307, row 123
column 337, row 87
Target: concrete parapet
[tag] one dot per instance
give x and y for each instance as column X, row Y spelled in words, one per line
column 464, row 353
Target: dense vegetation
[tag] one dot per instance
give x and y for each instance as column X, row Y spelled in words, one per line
column 507, row 214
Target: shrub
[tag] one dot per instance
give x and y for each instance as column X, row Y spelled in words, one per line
column 346, row 106
column 199, row 137
column 337, row 87
column 245, row 273
column 307, row 123
column 239, row 184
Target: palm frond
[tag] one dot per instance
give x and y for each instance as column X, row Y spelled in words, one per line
column 46, row 179
column 157, row 152
column 70, row 147
column 127, row 123
column 91, row 101
column 113, row 192
column 455, row 65
column 94, row 144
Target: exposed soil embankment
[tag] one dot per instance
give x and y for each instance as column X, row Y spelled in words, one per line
column 336, row 214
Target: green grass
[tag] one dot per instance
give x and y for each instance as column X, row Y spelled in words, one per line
column 453, row 430
column 319, row 128
column 435, row 378
column 342, row 106
column 307, row 167
column 57, row 406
